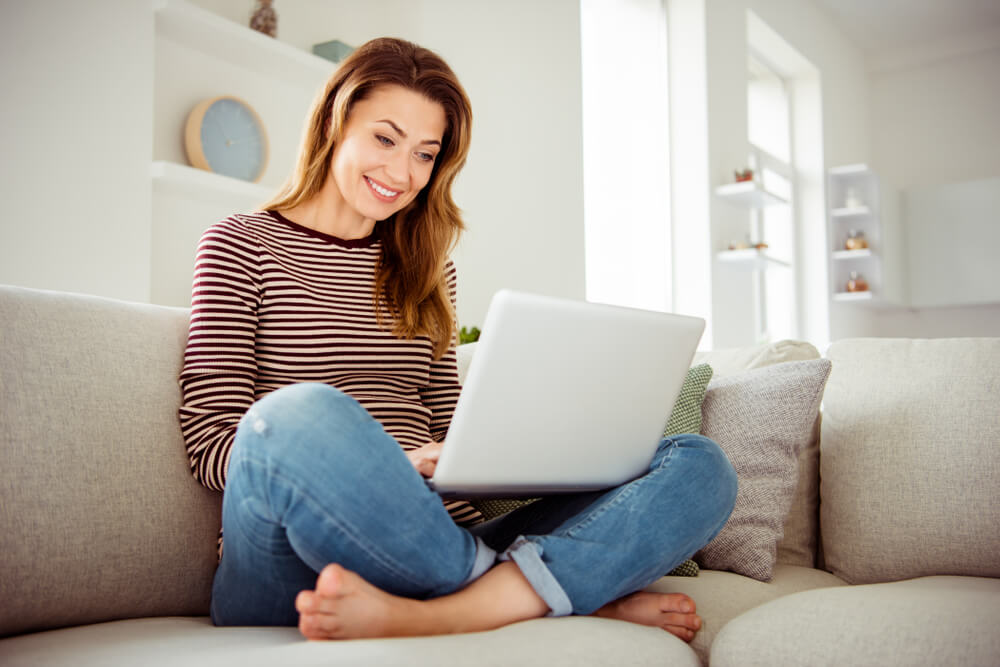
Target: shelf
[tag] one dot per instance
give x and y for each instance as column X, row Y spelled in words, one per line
column 749, row 259
column 748, row 194
column 852, row 296
column 852, row 254
column 226, row 40
column 853, row 212
column 851, row 170
column 204, row 184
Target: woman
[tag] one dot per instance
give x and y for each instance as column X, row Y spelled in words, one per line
column 320, row 377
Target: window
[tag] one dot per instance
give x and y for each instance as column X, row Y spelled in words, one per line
column 626, row 152
column 769, row 131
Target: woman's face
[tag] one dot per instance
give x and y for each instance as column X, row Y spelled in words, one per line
column 387, row 150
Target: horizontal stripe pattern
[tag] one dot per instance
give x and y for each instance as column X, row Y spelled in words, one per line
column 274, row 303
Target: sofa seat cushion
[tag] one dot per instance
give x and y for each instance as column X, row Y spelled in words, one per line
column 721, row 596
column 927, row 621
column 552, row 642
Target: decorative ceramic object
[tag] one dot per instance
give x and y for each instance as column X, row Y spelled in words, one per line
column 264, row 19
column 334, row 50
column 853, row 199
column 856, row 283
column 856, row 240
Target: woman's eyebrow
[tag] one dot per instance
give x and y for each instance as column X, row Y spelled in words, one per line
column 400, row 132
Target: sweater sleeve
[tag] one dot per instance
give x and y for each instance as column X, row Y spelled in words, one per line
column 441, row 393
column 220, row 368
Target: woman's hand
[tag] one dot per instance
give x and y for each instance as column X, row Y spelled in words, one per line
column 425, row 458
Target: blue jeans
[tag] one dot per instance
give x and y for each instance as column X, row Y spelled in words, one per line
column 314, row 479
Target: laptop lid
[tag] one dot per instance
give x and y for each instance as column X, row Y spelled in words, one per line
column 563, row 396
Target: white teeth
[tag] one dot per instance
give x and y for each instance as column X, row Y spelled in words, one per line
column 379, row 189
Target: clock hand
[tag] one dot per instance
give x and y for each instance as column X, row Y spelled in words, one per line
column 222, row 129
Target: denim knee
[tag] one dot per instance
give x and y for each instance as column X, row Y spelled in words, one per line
column 302, row 399
column 714, row 468
column 297, row 414
column 723, row 475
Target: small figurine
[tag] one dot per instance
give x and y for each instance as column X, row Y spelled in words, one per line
column 264, row 19
column 856, row 240
column 853, row 199
column 856, row 283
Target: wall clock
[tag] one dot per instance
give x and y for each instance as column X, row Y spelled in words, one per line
column 225, row 135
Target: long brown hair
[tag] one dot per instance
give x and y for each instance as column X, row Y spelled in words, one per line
column 410, row 283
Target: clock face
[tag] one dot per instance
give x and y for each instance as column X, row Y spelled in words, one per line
column 233, row 140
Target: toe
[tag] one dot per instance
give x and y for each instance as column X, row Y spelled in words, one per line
column 305, row 602
column 680, row 632
column 689, row 621
column 677, row 602
column 330, row 580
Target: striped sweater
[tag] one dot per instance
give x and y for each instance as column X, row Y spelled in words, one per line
column 275, row 303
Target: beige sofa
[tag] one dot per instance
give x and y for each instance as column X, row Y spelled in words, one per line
column 890, row 554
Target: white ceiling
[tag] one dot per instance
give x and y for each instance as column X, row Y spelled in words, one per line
column 894, row 33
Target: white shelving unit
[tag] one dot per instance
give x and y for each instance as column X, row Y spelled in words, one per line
column 857, row 203
column 749, row 259
column 220, row 39
column 192, row 182
column 198, row 55
column 754, row 197
column 749, row 194
column 853, row 296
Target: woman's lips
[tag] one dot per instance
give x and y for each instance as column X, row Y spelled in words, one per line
column 380, row 191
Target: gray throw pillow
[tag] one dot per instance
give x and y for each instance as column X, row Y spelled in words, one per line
column 761, row 418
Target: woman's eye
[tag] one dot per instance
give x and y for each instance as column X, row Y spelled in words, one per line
column 385, row 141
column 425, row 157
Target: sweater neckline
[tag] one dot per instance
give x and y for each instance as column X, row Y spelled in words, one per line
column 365, row 242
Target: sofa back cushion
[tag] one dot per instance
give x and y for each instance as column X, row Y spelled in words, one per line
column 101, row 518
column 909, row 461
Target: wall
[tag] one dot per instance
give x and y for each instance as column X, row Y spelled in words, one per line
column 845, row 98
column 522, row 190
column 76, row 135
column 82, row 78
column 933, row 124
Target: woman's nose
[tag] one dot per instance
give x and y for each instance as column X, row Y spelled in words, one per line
column 396, row 169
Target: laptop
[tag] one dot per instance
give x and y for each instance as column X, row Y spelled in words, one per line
column 563, row 396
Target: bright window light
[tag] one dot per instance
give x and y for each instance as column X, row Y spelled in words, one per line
column 626, row 152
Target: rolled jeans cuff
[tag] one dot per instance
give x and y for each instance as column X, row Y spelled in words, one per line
column 486, row 556
column 528, row 557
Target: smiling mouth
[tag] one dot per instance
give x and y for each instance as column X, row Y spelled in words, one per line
column 381, row 191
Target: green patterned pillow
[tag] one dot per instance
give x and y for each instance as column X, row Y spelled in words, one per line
column 686, row 417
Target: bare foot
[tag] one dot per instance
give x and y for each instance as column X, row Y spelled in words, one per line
column 345, row 606
column 674, row 612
